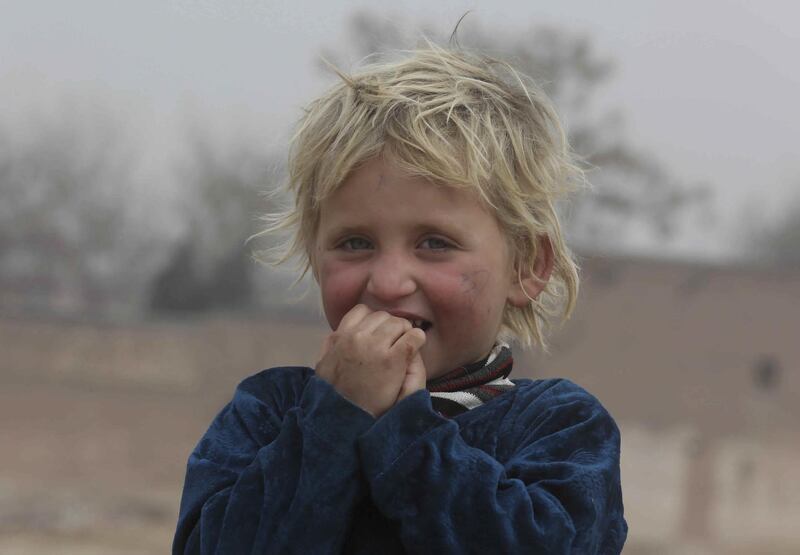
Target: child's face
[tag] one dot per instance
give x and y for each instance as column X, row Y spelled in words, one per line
column 418, row 251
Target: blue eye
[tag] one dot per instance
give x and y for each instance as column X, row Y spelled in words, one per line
column 435, row 243
column 355, row 244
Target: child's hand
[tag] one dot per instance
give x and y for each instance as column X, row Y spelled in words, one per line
column 416, row 376
column 373, row 359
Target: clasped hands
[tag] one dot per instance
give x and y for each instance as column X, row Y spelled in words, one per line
column 373, row 359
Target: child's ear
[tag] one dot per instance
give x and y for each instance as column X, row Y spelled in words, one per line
column 527, row 285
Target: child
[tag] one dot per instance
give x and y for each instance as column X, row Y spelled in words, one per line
column 424, row 193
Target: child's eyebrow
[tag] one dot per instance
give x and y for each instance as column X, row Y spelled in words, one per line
column 444, row 226
column 347, row 229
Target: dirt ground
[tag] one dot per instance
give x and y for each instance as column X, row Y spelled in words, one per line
column 92, row 471
column 95, row 430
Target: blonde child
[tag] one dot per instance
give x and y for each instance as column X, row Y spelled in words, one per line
column 424, row 193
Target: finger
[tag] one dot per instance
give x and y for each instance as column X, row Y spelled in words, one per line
column 353, row 317
column 408, row 345
column 415, row 379
column 390, row 330
column 373, row 321
column 410, row 342
column 327, row 343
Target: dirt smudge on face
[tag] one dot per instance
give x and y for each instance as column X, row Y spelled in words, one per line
column 473, row 283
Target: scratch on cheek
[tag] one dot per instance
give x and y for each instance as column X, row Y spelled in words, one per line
column 473, row 283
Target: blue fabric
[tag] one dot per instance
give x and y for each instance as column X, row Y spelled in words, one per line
column 291, row 466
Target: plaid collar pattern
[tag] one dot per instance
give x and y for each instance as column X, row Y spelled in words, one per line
column 472, row 385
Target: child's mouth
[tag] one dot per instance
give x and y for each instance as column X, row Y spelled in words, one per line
column 424, row 325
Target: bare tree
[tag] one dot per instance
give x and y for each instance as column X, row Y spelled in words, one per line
column 777, row 243
column 221, row 201
column 628, row 183
column 80, row 233
column 67, row 237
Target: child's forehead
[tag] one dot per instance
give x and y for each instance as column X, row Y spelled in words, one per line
column 384, row 177
column 388, row 193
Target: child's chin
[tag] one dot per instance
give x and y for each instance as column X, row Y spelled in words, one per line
column 434, row 371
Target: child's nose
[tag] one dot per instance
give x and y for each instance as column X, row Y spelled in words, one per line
column 390, row 278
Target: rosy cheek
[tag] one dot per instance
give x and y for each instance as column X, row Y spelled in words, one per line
column 463, row 296
column 341, row 285
column 454, row 291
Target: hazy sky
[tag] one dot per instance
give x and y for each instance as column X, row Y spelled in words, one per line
column 711, row 88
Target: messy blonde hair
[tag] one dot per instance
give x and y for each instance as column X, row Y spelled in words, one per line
column 458, row 119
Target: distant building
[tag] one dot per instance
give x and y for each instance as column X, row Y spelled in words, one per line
column 701, row 367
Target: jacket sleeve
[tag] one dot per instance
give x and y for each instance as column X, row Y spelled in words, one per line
column 272, row 475
column 558, row 490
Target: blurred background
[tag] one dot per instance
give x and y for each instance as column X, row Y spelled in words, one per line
column 137, row 140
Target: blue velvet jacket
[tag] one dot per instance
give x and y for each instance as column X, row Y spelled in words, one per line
column 291, row 466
